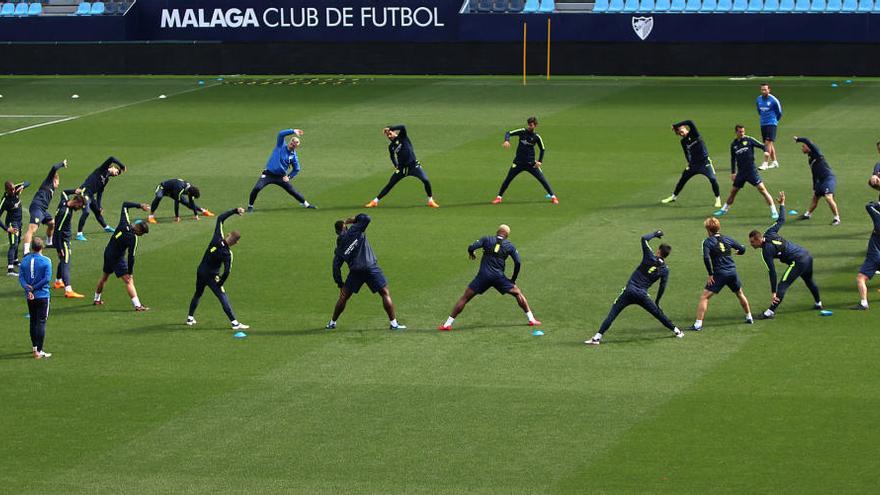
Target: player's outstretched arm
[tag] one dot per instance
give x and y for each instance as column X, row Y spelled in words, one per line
column 279, row 141
column 814, row 150
column 647, row 254
column 337, row 270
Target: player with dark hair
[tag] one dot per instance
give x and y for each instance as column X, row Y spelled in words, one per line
column 718, row 251
column 742, row 170
column 353, row 248
column 525, row 160
column 874, row 180
column 181, row 192
column 92, row 190
column 10, row 204
column 871, row 266
column 824, row 181
column 218, row 253
column 651, row 269
column 124, row 240
column 281, row 168
column 496, row 249
column 36, row 273
column 69, row 203
column 698, row 162
column 39, row 208
column 798, row 259
column 403, row 157
column 770, row 113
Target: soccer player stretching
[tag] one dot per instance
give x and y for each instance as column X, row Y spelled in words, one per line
column 698, row 161
column 495, row 249
column 718, row 251
column 10, row 203
column 36, row 273
column 39, row 208
column 124, row 239
column 219, row 253
column 282, row 159
column 824, row 181
column 179, row 191
column 651, row 269
column 742, row 171
column 798, row 259
column 872, row 260
column 353, row 248
column 525, row 160
column 403, row 157
column 770, row 112
column 70, row 202
column 92, row 190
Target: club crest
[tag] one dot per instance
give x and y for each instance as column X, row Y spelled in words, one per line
column 643, row 26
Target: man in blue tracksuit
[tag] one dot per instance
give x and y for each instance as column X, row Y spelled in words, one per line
column 770, row 112
column 92, row 190
column 353, row 248
column 281, row 168
column 35, row 275
column 10, row 204
column 824, row 181
column 872, row 260
column 39, row 208
column 697, row 157
column 798, row 259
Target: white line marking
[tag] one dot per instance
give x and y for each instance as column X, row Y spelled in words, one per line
column 31, row 116
column 43, row 124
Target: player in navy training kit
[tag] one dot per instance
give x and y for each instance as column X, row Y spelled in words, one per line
column 181, row 192
column 718, row 251
column 651, row 269
column 798, row 259
column 770, row 112
column 10, row 204
column 525, row 160
column 824, row 181
column 353, row 248
column 36, row 273
column 742, row 171
column 92, row 190
column 282, row 159
column 218, row 253
column 874, row 180
column 495, row 249
column 69, row 203
column 698, row 161
column 124, row 240
column 872, row 260
column 39, row 208
column 403, row 157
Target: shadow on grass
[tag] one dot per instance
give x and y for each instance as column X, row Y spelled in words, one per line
column 17, row 355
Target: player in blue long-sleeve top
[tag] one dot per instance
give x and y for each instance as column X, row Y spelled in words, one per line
column 124, row 240
column 35, row 275
column 39, row 208
column 92, row 190
column 525, row 159
column 10, row 204
column 824, row 181
column 403, row 158
column 697, row 157
column 799, row 261
column 281, row 167
column 650, row 270
column 496, row 249
column 743, row 171
column 872, row 259
column 770, row 112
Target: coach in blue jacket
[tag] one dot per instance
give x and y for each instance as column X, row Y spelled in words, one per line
column 34, row 276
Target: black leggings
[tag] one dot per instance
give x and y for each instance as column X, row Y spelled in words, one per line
column 62, row 246
column 209, row 281
column 688, row 173
column 531, row 169
column 627, row 298
column 802, row 269
column 265, row 179
column 93, row 204
column 414, row 171
column 14, row 240
column 39, row 312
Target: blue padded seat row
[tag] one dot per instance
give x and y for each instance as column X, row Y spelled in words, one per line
column 531, row 6
column 721, row 6
column 84, row 8
column 7, row 10
column 547, row 6
column 600, row 6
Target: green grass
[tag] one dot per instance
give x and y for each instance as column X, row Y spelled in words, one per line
column 140, row 403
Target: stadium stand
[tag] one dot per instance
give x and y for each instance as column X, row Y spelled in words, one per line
column 531, row 6
column 866, row 6
column 636, row 6
column 631, row 6
column 709, row 6
column 98, row 8
column 547, row 6
column 755, row 6
column 677, row 6
column 818, row 6
column 600, row 6
column 692, row 6
column 661, row 6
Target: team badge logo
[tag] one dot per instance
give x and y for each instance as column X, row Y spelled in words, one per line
column 643, row 26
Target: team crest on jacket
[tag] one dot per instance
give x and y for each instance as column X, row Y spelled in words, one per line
column 643, row 26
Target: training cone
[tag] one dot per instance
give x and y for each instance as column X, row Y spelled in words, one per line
column 239, row 335
column 826, row 312
column 792, row 212
column 537, row 333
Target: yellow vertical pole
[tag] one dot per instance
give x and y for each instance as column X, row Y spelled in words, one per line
column 548, row 48
column 525, row 31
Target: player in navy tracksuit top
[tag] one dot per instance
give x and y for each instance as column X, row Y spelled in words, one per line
column 525, row 160
column 824, row 181
column 281, row 168
column 92, row 190
column 770, row 113
column 39, row 208
column 10, row 204
column 743, row 171
column 496, row 249
column 872, row 260
column 69, row 203
column 124, row 240
column 697, row 157
column 181, row 192
column 353, row 248
column 651, row 269
column 35, row 276
column 718, row 252
column 403, row 157
column 218, row 254
column 798, row 259
column 874, row 181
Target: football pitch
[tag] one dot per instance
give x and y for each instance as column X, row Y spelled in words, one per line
column 140, row 403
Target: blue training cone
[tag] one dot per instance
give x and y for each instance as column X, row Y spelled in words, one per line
column 201, row 83
column 849, row 81
column 239, row 335
column 792, row 212
column 537, row 333
column 826, row 312
column 833, row 85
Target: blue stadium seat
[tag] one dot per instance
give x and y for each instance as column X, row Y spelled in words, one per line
column 802, row 6
column 833, row 6
column 740, row 6
column 531, row 6
column 849, row 6
column 817, row 6
column 21, row 9
column 661, row 6
column 866, row 5
column 97, row 8
column 35, row 8
column 724, row 6
column 786, row 6
column 631, row 6
column 709, row 6
column 84, row 8
column 692, row 6
column 547, row 6
column 7, row 10
column 601, row 6
column 755, row 6
column 499, row 6
column 615, row 6
column 484, row 6
column 677, row 6
column 646, row 6
column 877, row 7
column 515, row 6
column 771, row 6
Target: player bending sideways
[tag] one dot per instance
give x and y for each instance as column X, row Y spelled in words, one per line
column 718, row 252
column 496, row 249
column 824, row 181
column 651, row 269
column 92, row 190
column 124, row 240
column 698, row 161
column 353, row 248
column 872, row 260
column 742, row 171
column 10, row 204
column 798, row 259
column 525, row 160
column 403, row 157
column 281, row 167
column 70, row 202
column 181, row 192
column 39, row 208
